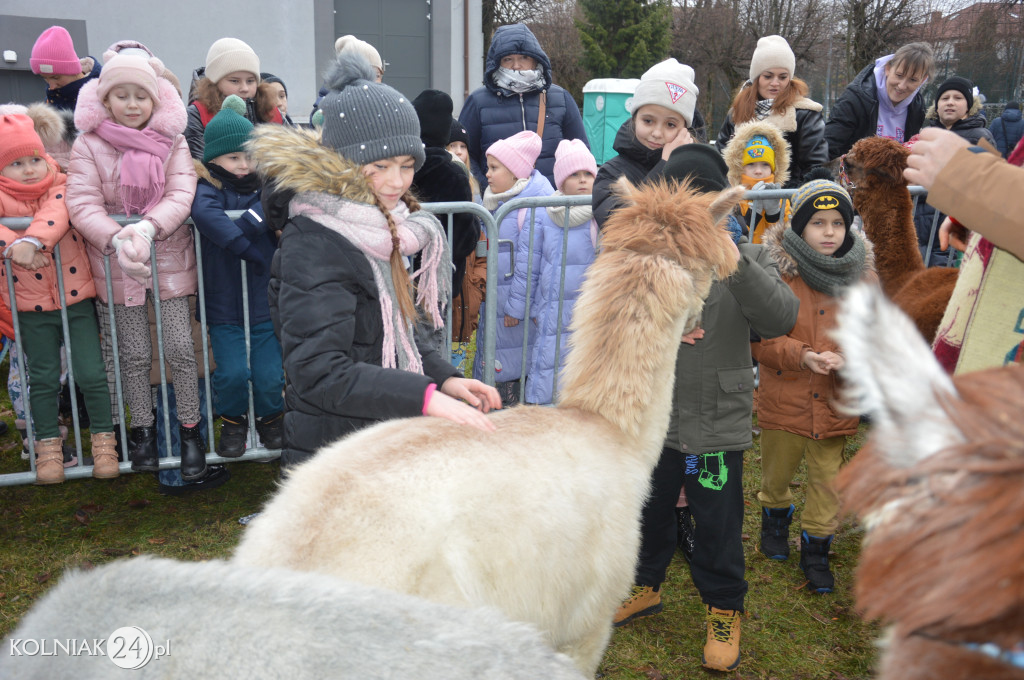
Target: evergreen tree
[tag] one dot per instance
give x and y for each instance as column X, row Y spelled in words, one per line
column 623, row 38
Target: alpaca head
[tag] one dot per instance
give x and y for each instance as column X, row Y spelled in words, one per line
column 875, row 163
column 937, row 485
column 673, row 221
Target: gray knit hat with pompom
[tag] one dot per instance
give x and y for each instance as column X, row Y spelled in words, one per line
column 365, row 121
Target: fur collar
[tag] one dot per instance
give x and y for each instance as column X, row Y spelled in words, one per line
column 772, row 241
column 787, row 120
column 976, row 107
column 292, row 159
column 202, row 172
column 169, row 118
column 733, row 153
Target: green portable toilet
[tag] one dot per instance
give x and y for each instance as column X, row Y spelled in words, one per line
column 604, row 112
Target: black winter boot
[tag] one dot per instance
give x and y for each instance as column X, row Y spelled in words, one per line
column 814, row 562
column 270, row 430
column 193, row 453
column 684, row 532
column 775, row 532
column 142, row 449
column 233, row 432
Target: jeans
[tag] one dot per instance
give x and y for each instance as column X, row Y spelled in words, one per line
column 231, row 379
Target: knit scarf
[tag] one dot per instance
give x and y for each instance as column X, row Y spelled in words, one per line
column 365, row 227
column 763, row 108
column 519, row 82
column 143, row 153
column 26, row 192
column 243, row 185
column 578, row 214
column 826, row 273
column 491, row 200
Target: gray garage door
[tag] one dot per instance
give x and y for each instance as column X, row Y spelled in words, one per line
column 400, row 30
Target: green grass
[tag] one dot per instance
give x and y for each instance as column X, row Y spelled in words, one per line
column 788, row 633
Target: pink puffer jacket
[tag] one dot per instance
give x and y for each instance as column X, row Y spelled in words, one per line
column 94, row 184
column 36, row 291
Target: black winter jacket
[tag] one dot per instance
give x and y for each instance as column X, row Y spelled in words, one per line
column 635, row 162
column 855, row 115
column 325, row 306
column 441, row 179
column 1007, row 130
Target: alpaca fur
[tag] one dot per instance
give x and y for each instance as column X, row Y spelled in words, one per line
column 875, row 166
column 223, row 620
column 541, row 518
column 938, row 487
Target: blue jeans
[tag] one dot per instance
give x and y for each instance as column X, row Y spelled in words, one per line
column 173, row 477
column 231, row 379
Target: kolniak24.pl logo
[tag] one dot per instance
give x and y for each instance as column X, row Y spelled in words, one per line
column 128, row 647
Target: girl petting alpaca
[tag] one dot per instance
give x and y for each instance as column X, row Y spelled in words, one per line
column 232, row 67
column 341, row 299
column 32, row 185
column 131, row 158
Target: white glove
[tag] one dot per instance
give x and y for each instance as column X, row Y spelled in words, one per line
column 771, row 207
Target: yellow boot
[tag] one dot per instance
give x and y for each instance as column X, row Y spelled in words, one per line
column 644, row 601
column 49, row 461
column 722, row 649
column 104, row 456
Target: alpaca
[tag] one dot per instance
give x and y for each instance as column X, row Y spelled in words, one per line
column 220, row 620
column 540, row 519
column 938, row 488
column 875, row 168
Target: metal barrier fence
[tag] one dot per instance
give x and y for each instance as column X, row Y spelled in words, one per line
column 445, row 211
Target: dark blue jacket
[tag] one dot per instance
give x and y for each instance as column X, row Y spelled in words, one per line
column 225, row 243
column 491, row 113
column 65, row 98
column 1007, row 130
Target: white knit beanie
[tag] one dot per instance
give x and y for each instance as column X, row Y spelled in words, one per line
column 772, row 52
column 368, row 51
column 668, row 84
column 228, row 55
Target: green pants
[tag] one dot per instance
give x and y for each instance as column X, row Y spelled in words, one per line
column 780, row 456
column 41, row 336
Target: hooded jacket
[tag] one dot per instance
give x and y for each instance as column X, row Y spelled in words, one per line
column 225, row 243
column 1007, row 130
column 733, row 156
column 792, row 399
column 66, row 98
column 804, row 130
column 491, row 113
column 94, row 193
column 634, row 161
column 971, row 127
column 854, row 116
column 325, row 304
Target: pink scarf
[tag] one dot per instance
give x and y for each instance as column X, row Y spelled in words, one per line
column 143, row 153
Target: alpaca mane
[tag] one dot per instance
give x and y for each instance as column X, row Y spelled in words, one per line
column 659, row 256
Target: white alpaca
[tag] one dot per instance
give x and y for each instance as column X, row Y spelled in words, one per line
column 222, row 620
column 541, row 518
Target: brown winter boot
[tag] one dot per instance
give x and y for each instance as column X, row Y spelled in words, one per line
column 49, row 461
column 722, row 649
column 104, row 456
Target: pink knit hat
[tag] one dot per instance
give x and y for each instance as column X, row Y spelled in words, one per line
column 122, row 69
column 571, row 156
column 54, row 54
column 18, row 137
column 518, row 153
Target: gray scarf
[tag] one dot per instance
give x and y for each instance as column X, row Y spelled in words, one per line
column 826, row 273
column 519, row 82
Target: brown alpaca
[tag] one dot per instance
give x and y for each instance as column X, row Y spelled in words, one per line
column 875, row 167
column 540, row 519
column 938, row 487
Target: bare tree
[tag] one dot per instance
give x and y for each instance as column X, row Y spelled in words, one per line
column 555, row 28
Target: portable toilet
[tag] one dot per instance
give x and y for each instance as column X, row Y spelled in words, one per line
column 604, row 112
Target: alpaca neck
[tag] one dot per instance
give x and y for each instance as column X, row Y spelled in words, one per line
column 890, row 226
column 628, row 322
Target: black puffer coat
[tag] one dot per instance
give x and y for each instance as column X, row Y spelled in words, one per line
column 325, row 305
column 439, row 180
column 855, row 115
column 635, row 162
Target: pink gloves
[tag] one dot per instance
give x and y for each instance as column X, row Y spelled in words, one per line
column 133, row 247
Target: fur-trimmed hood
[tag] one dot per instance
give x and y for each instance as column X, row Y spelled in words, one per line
column 169, row 118
column 293, row 160
column 203, row 173
column 772, row 241
column 733, row 153
column 976, row 107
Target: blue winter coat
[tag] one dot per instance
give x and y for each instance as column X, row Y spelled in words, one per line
column 1007, row 130
column 491, row 113
column 225, row 243
column 508, row 353
column 545, row 287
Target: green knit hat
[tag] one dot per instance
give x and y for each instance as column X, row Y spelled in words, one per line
column 227, row 131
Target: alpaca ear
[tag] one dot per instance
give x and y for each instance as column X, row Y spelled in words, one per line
column 725, row 202
column 624, row 188
column 891, row 375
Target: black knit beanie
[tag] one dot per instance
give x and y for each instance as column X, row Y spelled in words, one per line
column 821, row 194
column 457, row 133
column 434, row 109
column 961, row 85
column 701, row 163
